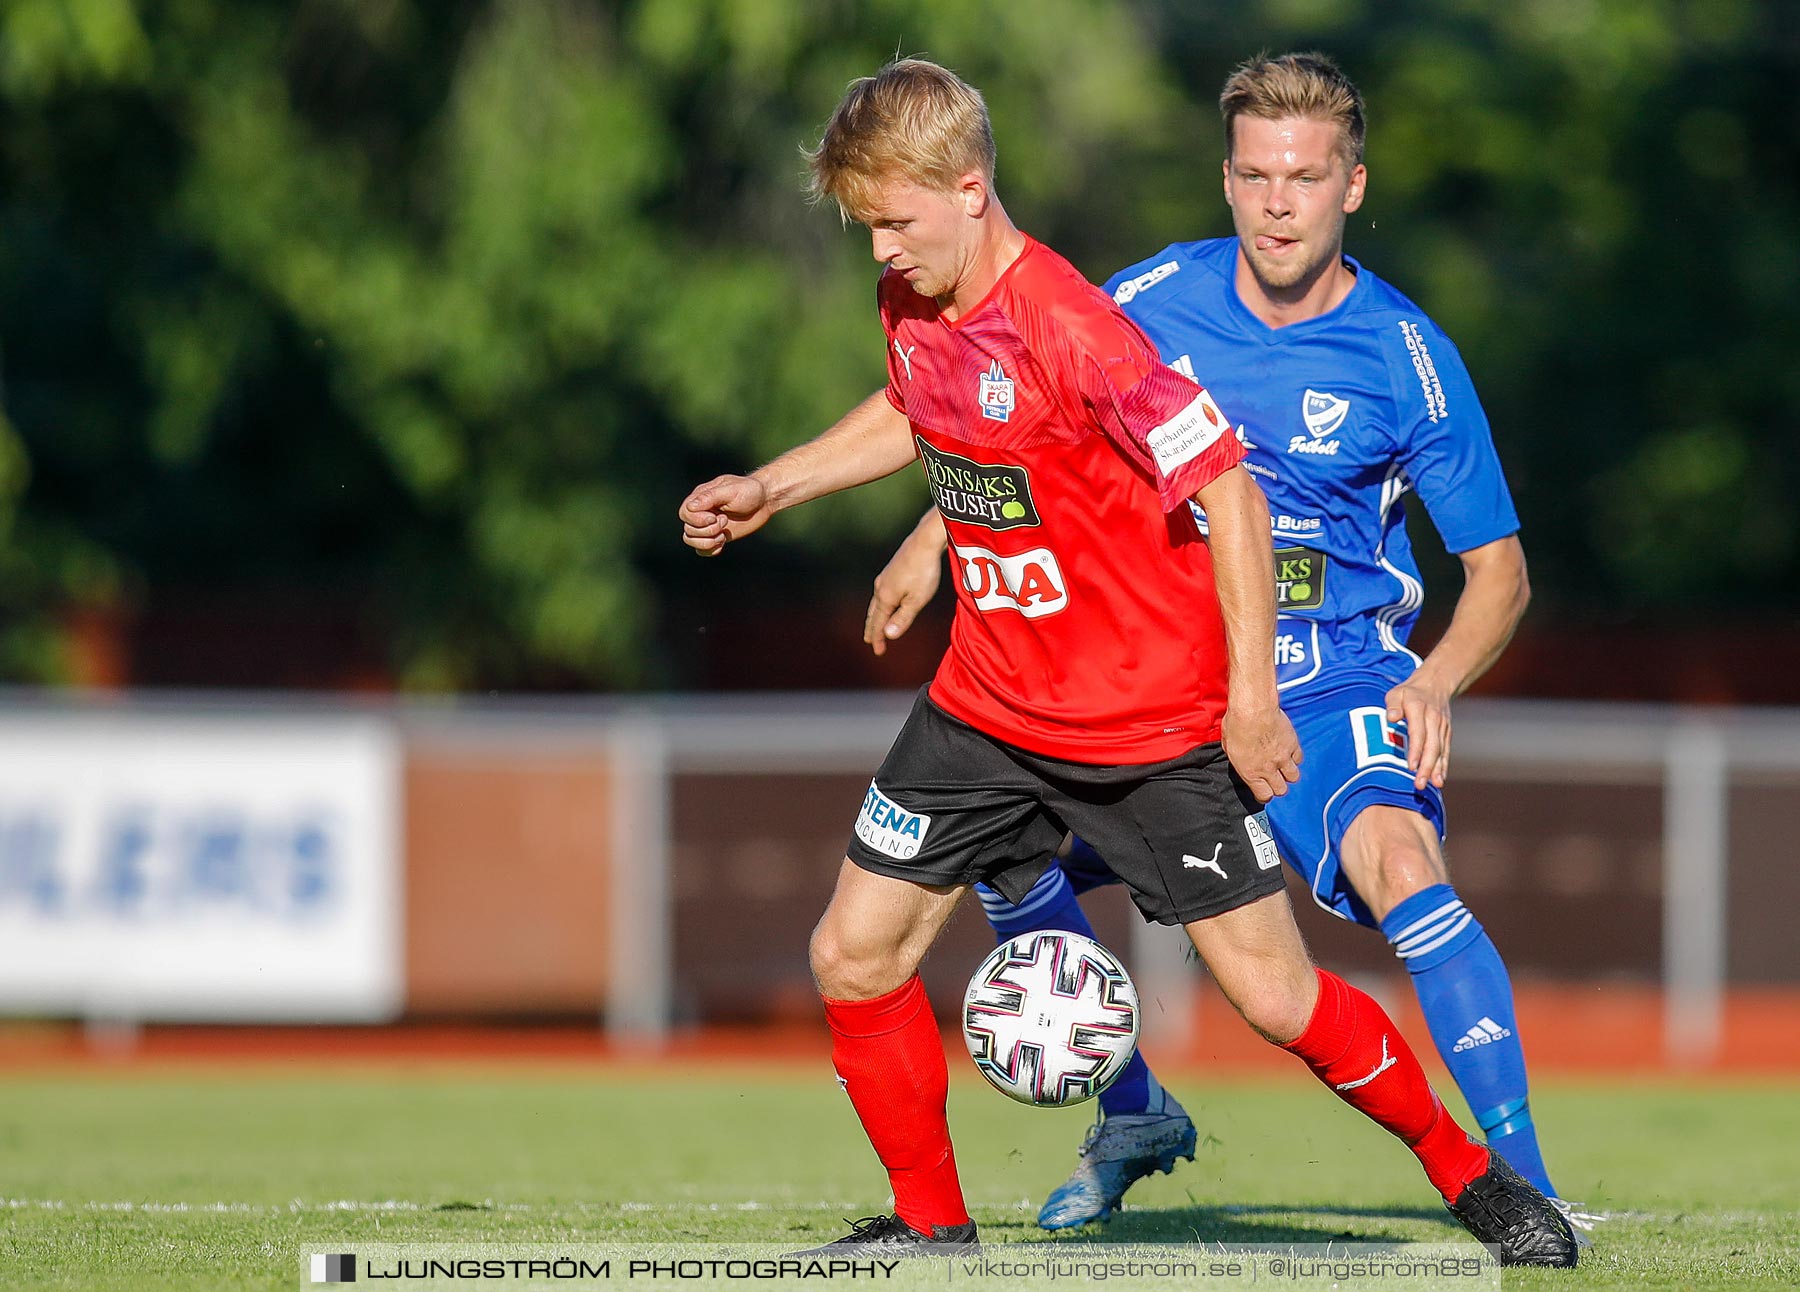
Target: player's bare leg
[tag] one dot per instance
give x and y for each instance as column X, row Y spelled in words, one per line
column 889, row 1055
column 1390, row 854
column 1394, row 861
column 1256, row 956
column 875, row 931
column 1347, row 1040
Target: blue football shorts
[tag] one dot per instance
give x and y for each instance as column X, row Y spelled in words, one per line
column 1353, row 758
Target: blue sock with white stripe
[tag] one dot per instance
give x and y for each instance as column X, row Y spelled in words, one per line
column 1468, row 1004
column 1051, row 904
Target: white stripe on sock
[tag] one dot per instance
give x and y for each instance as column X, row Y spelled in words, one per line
column 1454, row 904
column 1432, row 934
column 1035, row 901
column 1463, row 923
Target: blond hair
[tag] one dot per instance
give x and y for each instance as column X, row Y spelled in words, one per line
column 1309, row 86
column 912, row 120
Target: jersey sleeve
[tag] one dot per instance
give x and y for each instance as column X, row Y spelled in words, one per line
column 1444, row 440
column 1155, row 414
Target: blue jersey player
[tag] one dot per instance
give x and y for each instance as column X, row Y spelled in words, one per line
column 1347, row 397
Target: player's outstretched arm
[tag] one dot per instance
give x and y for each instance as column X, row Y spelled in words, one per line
column 1259, row 739
column 907, row 583
column 1495, row 593
column 872, row 440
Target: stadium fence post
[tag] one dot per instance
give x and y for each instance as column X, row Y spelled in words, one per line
column 639, row 934
column 1695, row 826
column 1168, row 986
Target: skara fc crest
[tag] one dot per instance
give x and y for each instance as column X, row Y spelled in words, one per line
column 996, row 393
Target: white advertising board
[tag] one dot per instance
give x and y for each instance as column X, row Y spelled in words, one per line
column 232, row 866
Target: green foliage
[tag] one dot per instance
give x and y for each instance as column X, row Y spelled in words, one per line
column 442, row 307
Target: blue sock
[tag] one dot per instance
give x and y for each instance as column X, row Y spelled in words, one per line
column 1085, row 868
column 1051, row 904
column 1468, row 1004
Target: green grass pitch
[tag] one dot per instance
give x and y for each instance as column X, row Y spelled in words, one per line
column 222, row 1178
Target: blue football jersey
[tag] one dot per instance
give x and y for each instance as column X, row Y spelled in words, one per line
column 1340, row 416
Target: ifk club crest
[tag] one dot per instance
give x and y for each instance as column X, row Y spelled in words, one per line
column 996, row 393
column 1323, row 412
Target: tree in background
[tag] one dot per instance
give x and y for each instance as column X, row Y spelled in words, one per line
column 423, row 313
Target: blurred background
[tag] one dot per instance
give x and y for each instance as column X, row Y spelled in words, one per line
column 354, row 355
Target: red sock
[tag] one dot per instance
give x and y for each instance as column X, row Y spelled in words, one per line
column 1355, row 1049
column 890, row 1058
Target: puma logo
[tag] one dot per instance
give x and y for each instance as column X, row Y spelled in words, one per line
column 1383, row 1066
column 1206, row 863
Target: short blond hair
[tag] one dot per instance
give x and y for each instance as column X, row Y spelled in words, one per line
column 1309, row 86
column 912, row 120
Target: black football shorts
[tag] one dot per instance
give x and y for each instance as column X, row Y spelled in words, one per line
column 951, row 806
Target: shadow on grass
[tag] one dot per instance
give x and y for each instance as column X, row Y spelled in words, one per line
column 1255, row 1226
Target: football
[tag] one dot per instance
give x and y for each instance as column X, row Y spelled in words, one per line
column 1050, row 1018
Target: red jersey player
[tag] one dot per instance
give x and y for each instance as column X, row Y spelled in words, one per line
column 1047, row 423
column 1109, row 672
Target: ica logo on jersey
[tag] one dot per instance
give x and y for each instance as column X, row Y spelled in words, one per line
column 1030, row 583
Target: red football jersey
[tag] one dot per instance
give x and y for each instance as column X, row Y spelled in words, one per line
column 1061, row 453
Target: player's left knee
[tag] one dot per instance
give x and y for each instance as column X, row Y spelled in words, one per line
column 1389, row 854
column 839, row 973
column 1409, row 866
column 851, row 968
